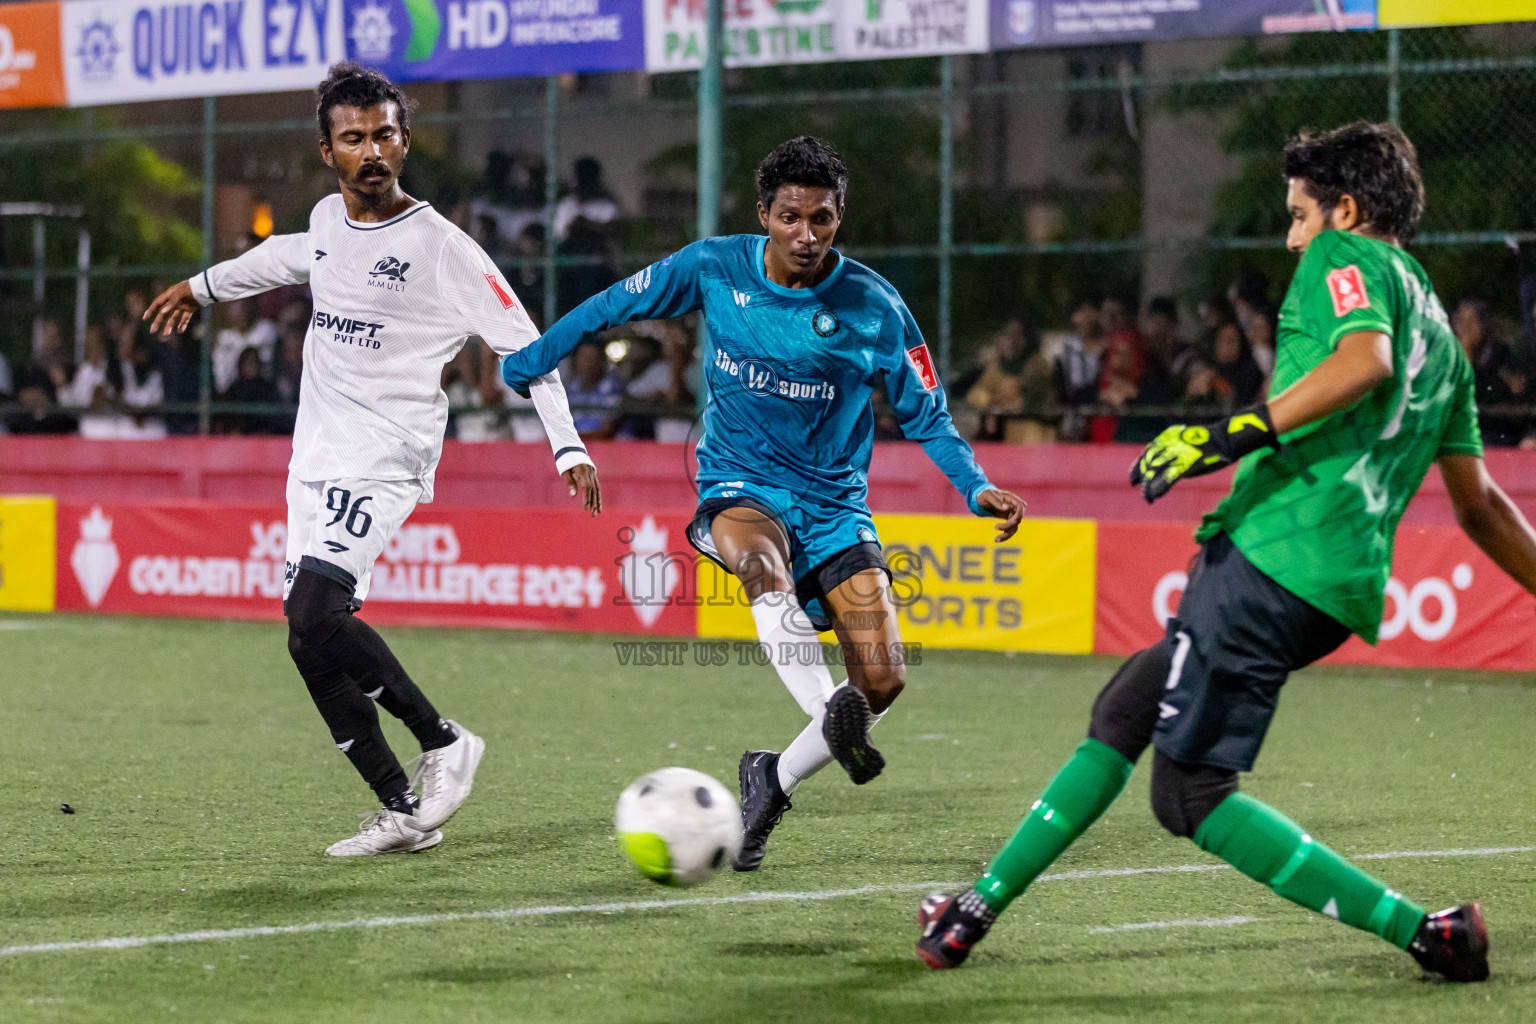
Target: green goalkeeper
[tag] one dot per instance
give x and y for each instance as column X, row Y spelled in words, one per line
column 1370, row 387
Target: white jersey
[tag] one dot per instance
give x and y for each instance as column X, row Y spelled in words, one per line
column 394, row 301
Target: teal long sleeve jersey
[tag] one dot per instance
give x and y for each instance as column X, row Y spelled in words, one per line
column 788, row 371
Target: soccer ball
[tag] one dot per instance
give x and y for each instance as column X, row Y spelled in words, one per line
column 678, row 826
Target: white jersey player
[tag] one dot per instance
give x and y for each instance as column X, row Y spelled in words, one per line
column 397, row 291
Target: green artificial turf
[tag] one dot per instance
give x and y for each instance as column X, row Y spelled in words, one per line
column 206, row 788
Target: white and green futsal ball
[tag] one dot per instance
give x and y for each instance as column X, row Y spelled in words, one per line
column 678, row 826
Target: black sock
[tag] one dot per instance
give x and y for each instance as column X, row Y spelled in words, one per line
column 354, row 725
column 403, row 802
column 322, row 650
column 380, row 675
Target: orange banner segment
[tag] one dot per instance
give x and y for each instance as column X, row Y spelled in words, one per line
column 31, row 69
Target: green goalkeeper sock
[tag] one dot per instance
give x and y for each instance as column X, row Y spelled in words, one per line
column 1081, row 790
column 1270, row 848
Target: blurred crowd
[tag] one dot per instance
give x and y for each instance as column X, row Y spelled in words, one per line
column 507, row 215
column 1108, row 373
column 130, row 384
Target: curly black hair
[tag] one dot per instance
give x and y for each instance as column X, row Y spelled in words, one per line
column 1375, row 163
column 806, row 161
column 349, row 84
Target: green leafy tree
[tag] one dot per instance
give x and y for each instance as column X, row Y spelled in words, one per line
column 137, row 207
column 1470, row 127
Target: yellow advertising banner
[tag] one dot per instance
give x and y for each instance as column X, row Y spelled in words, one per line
column 26, row 554
column 954, row 587
column 1393, row 13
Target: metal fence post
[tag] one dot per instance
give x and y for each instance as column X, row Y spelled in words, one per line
column 946, row 206
column 710, row 124
column 1394, row 76
column 711, row 148
column 39, row 279
column 82, row 284
column 205, row 346
column 551, row 192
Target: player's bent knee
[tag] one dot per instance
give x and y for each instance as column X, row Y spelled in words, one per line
column 1125, row 712
column 882, row 684
column 763, row 572
column 1183, row 795
column 316, row 607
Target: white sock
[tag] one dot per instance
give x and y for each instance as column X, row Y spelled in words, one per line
column 808, row 754
column 785, row 630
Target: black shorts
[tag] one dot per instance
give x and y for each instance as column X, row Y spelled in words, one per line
column 1237, row 635
column 813, row 585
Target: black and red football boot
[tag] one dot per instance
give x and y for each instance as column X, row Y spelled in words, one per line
column 951, row 926
column 1453, row 944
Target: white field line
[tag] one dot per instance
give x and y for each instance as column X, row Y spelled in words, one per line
column 1486, row 851
column 223, row 934
column 1192, row 922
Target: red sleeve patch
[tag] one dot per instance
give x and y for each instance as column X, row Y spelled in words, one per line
column 502, row 295
column 1347, row 288
column 922, row 362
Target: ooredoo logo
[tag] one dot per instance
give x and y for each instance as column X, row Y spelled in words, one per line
column 1427, row 609
column 1409, row 607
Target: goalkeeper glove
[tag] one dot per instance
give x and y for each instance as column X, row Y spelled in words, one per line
column 1185, row 450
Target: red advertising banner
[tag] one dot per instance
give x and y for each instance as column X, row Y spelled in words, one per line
column 544, row 569
column 1447, row 604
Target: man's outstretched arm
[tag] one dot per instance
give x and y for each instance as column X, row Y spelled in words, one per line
column 664, row 289
column 487, row 307
column 1487, row 515
column 912, row 383
column 280, row 260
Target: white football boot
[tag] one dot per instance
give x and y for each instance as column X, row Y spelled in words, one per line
column 444, row 777
column 385, row 831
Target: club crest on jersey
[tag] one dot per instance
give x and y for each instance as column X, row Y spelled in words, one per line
column 388, row 273
column 825, row 323
column 1347, row 289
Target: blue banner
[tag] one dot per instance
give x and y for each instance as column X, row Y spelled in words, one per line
column 1018, row 23
column 446, row 40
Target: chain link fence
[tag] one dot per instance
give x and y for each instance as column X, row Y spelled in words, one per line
column 1001, row 193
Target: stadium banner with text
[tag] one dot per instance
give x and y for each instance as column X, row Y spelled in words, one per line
column 1447, row 605
column 1018, row 23
column 31, row 74
column 535, row 569
column 760, row 32
column 122, row 51
column 445, row 40
column 1412, row 13
column 27, row 553
column 954, row 587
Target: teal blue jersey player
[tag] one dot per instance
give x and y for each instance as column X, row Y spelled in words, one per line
column 789, row 373
column 798, row 336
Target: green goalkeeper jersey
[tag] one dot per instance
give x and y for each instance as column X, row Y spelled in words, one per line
column 1319, row 514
